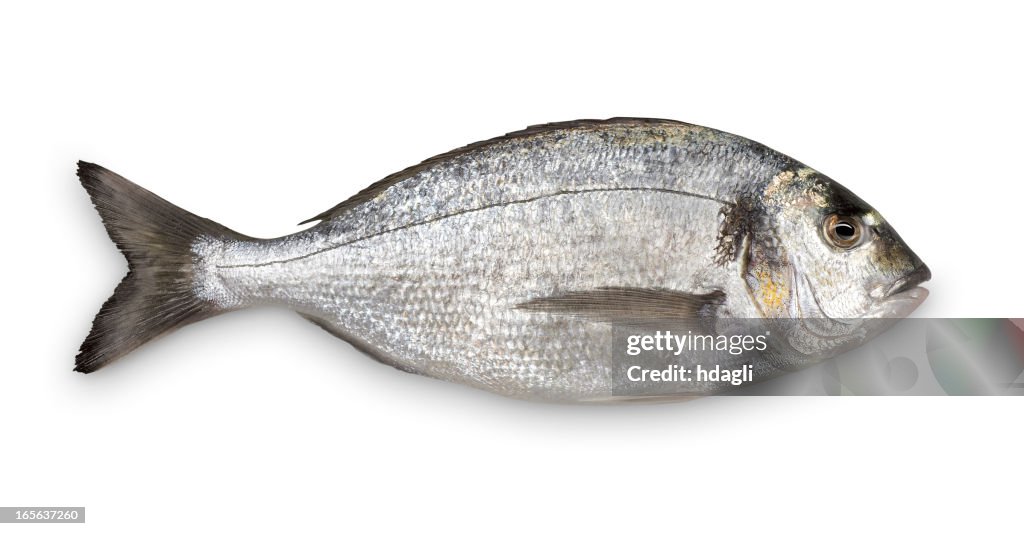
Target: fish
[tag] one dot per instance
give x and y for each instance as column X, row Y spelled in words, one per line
column 515, row 265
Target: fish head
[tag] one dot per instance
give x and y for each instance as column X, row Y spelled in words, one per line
column 847, row 261
column 821, row 252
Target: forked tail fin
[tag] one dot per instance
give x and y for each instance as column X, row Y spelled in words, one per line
column 157, row 295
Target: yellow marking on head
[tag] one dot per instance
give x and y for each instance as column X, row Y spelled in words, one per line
column 771, row 293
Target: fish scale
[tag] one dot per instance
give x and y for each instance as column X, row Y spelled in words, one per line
column 435, row 336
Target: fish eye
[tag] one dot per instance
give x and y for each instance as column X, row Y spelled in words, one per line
column 843, row 231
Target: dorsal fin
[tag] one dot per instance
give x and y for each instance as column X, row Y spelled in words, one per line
column 376, row 188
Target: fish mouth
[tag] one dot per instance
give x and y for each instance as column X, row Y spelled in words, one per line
column 904, row 295
column 909, row 281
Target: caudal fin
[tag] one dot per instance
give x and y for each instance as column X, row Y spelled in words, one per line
column 157, row 295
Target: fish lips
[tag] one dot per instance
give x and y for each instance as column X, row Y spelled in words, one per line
column 909, row 281
column 904, row 295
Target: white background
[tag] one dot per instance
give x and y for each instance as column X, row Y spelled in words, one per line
column 259, row 117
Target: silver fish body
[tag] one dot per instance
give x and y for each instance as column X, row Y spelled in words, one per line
column 504, row 265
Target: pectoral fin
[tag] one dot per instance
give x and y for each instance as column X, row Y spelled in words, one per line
column 629, row 305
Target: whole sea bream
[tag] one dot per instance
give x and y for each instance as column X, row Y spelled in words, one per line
column 510, row 264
